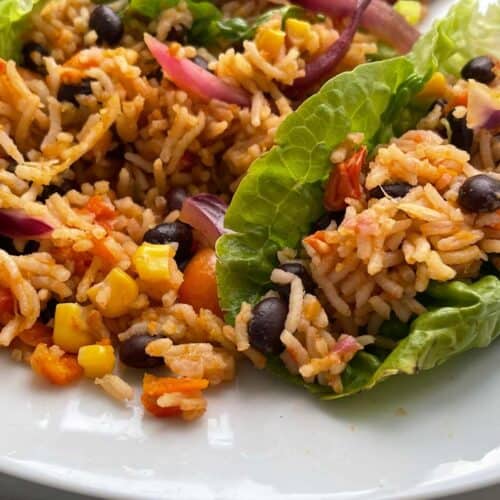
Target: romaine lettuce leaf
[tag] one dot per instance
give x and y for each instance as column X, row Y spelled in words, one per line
column 281, row 196
column 282, row 193
column 471, row 28
column 13, row 14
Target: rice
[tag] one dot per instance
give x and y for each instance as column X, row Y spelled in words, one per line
column 116, row 387
column 421, row 237
column 100, row 169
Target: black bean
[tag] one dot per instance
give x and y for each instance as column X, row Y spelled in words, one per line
column 48, row 312
column 32, row 57
column 394, row 190
column 299, row 270
column 178, row 34
column 201, row 62
column 266, row 325
column 171, row 232
column 62, row 189
column 479, row 69
column 107, row 24
column 461, row 136
column 480, row 193
column 68, row 92
column 133, row 352
column 156, row 74
column 30, row 247
column 117, row 153
column 326, row 219
column 175, row 198
column 7, row 244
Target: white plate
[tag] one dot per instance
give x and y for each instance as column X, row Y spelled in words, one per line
column 412, row 437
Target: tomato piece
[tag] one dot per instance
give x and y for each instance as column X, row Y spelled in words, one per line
column 37, row 334
column 6, row 301
column 344, row 181
column 199, row 287
column 58, row 370
column 6, row 305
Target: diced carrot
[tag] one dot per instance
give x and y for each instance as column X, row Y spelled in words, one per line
column 81, row 260
column 199, row 288
column 461, row 99
column 316, row 240
column 157, row 386
column 150, row 404
column 37, row 334
column 58, row 370
column 344, row 181
column 154, row 387
column 101, row 209
column 85, row 59
column 101, row 250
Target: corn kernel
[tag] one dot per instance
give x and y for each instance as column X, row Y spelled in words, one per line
column 96, row 360
column 297, row 28
column 270, row 41
column 152, row 262
column 70, row 327
column 411, row 10
column 122, row 290
column 436, row 87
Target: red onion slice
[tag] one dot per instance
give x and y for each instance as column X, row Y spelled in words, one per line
column 17, row 224
column 205, row 213
column 320, row 68
column 192, row 78
column 379, row 19
column 483, row 106
column 346, row 344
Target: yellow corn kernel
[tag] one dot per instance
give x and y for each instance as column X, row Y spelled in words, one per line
column 96, row 360
column 270, row 41
column 297, row 28
column 70, row 327
column 436, row 87
column 122, row 290
column 152, row 262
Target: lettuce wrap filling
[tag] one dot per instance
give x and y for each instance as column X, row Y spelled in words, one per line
column 277, row 203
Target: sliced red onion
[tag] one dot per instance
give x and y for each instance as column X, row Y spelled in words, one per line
column 17, row 224
column 320, row 68
column 194, row 79
column 379, row 19
column 205, row 213
column 346, row 344
column 483, row 106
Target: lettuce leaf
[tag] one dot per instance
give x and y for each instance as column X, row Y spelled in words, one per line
column 13, row 15
column 281, row 196
column 465, row 317
column 282, row 193
column 470, row 29
column 209, row 28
